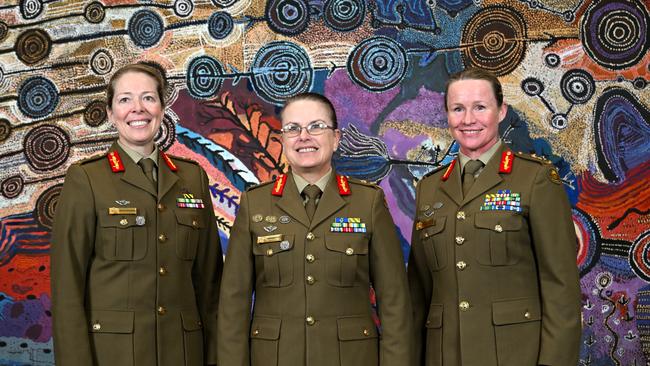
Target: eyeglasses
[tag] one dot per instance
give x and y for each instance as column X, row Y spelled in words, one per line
column 315, row 128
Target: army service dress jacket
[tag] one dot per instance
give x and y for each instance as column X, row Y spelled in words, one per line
column 135, row 273
column 493, row 275
column 311, row 280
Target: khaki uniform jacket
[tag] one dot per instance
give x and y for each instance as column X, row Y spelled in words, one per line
column 311, row 285
column 134, row 289
column 495, row 287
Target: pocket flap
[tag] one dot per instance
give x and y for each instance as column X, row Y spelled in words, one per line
column 266, row 328
column 498, row 222
column 358, row 327
column 191, row 219
column 434, row 228
column 107, row 321
column 119, row 221
column 434, row 320
column 273, row 248
column 191, row 320
column 347, row 243
column 516, row 311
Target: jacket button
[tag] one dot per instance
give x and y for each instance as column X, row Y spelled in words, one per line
column 460, row 240
column 366, row 332
column 269, row 252
column 195, row 224
column 310, row 258
column 199, row 323
column 162, row 238
column 256, row 332
column 97, row 326
column 461, row 265
column 463, row 306
column 311, row 279
column 527, row 315
column 460, row 215
column 162, row 270
column 162, row 310
column 124, row 222
column 498, row 228
column 161, row 207
column 311, row 236
column 310, row 320
column 349, row 251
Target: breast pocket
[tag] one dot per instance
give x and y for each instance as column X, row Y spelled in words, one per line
column 435, row 248
column 498, row 237
column 122, row 237
column 277, row 261
column 188, row 226
column 346, row 253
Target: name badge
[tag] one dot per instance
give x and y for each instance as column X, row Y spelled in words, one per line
column 269, row 238
column 424, row 224
column 122, row 211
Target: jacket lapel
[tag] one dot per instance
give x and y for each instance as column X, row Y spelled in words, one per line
column 133, row 174
column 291, row 202
column 453, row 186
column 330, row 202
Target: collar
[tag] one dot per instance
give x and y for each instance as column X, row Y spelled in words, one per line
column 484, row 158
column 136, row 157
column 301, row 183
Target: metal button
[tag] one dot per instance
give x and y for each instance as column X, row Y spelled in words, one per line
column 161, row 207
column 460, row 240
column 124, row 222
column 162, row 238
column 195, row 223
column 199, row 323
column 461, row 265
column 527, row 315
column 311, row 280
column 97, row 326
column 366, row 332
column 162, row 270
column 269, row 252
column 310, row 320
column 256, row 332
column 463, row 305
column 460, row 215
column 349, row 251
column 498, row 228
column 162, row 310
column 311, row 236
column 310, row 258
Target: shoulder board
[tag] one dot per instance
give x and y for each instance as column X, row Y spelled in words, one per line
column 532, row 157
column 174, row 157
column 362, row 182
column 437, row 169
column 90, row 159
column 258, row 185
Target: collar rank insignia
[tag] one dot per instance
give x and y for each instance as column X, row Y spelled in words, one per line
column 348, row 225
column 115, row 161
column 344, row 186
column 278, row 186
column 188, row 201
column 450, row 168
column 503, row 200
column 169, row 162
column 506, row 162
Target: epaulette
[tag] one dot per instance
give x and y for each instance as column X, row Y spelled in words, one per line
column 362, row 182
column 532, row 157
column 258, row 185
column 187, row 160
column 91, row 159
column 437, row 169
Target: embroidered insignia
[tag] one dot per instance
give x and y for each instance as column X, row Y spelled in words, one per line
column 271, row 219
column 257, row 218
column 122, row 211
column 285, row 219
column 450, row 168
column 429, row 213
column 437, row 205
column 553, row 176
column 278, row 186
column 122, row 202
column 506, row 162
column 348, row 225
column 188, row 201
column 503, row 200
column 425, row 208
column 270, row 228
column 115, row 162
column 169, row 162
column 344, row 186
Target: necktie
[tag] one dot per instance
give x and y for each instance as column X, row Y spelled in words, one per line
column 147, row 166
column 312, row 192
column 471, row 168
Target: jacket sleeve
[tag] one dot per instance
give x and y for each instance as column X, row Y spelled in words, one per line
column 73, row 236
column 420, row 286
column 388, row 277
column 554, row 241
column 236, row 293
column 206, row 274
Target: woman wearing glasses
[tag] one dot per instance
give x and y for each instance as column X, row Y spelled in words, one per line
column 309, row 245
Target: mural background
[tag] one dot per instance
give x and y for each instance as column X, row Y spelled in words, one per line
column 575, row 75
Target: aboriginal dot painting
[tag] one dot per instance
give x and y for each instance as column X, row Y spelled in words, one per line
column 575, row 76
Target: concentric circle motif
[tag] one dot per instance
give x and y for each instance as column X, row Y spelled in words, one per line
column 344, row 15
column 639, row 257
column 33, row 45
column 46, row 205
column 494, row 39
column 377, row 63
column 46, row 147
column 94, row 12
column 552, row 60
column 12, row 186
column 224, row 3
column 5, row 129
column 615, row 33
column 220, row 25
column 95, row 113
column 183, row 8
column 101, row 62
column 559, row 121
column 604, row 280
column 577, row 86
column 288, row 17
column 280, row 70
column 4, row 30
column 145, row 28
column 532, row 86
column 30, row 9
column 204, row 77
column 166, row 135
column 588, row 243
column 37, row 97
column 640, row 83
column 569, row 16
